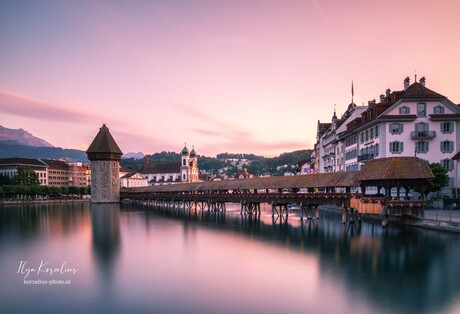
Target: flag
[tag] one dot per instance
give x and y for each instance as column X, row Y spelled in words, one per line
column 352, row 93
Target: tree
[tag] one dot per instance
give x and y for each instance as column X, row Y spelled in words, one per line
column 4, row 179
column 439, row 181
column 26, row 176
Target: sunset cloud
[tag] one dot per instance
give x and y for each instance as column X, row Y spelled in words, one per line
column 23, row 106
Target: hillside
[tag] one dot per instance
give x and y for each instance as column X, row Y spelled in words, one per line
column 11, row 149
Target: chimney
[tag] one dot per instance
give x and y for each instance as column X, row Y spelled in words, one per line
column 406, row 83
column 382, row 98
column 388, row 92
column 422, row 81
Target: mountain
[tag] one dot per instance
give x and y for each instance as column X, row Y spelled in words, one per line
column 21, row 137
column 12, row 149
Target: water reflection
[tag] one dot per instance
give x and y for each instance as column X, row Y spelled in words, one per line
column 105, row 222
column 401, row 269
column 134, row 259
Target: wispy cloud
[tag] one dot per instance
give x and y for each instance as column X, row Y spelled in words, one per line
column 23, row 106
column 225, row 129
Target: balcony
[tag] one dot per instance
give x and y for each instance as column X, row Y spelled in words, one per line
column 364, row 157
column 422, row 135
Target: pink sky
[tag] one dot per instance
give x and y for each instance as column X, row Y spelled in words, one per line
column 226, row 76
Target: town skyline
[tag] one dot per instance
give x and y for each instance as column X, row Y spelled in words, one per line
column 253, row 77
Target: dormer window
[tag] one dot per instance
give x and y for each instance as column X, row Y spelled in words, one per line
column 421, row 110
column 438, row 109
column 404, row 110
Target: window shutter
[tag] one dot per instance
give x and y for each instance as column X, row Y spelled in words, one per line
column 401, row 146
column 401, row 128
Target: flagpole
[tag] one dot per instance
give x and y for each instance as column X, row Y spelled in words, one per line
column 352, row 92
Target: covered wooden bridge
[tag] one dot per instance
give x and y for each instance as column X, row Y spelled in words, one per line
column 344, row 189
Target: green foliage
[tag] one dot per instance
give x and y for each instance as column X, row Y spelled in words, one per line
column 26, row 176
column 239, row 156
column 210, row 164
column 260, row 165
column 4, row 179
column 440, row 180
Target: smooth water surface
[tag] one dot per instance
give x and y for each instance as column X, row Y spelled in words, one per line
column 82, row 258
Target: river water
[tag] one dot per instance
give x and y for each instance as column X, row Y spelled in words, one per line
column 82, row 258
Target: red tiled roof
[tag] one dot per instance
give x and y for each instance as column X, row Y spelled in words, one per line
column 126, row 169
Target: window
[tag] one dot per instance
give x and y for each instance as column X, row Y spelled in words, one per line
column 362, row 137
column 367, row 135
column 377, row 131
column 421, row 110
column 396, row 128
column 396, row 147
column 448, row 164
column 376, row 150
column 404, row 110
column 183, row 177
column 447, row 146
column 447, row 127
column 438, row 109
column 421, row 147
column 372, row 133
column 421, row 127
column 183, row 162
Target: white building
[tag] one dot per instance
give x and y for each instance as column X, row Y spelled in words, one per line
column 132, row 180
column 413, row 122
column 9, row 167
column 173, row 172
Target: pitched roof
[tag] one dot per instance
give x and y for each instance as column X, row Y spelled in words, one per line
column 56, row 163
column 164, row 167
column 338, row 179
column 22, row 161
column 127, row 169
column 395, row 168
column 129, row 175
column 456, row 156
column 104, row 143
column 417, row 90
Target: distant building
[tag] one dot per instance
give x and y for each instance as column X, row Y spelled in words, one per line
column 58, row 172
column 185, row 171
column 9, row 167
column 132, row 180
column 244, row 175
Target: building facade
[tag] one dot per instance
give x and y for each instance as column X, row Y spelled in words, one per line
column 185, row 171
column 133, row 180
column 9, row 167
column 415, row 121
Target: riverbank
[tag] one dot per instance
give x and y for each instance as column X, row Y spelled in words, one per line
column 44, row 201
column 439, row 220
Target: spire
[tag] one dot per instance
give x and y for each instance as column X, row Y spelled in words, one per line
column 352, row 91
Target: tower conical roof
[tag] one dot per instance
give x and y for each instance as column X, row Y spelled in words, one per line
column 104, row 146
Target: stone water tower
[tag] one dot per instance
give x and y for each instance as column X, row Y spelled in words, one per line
column 105, row 156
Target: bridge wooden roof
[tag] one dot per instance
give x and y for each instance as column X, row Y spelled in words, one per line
column 337, row 179
column 395, row 168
